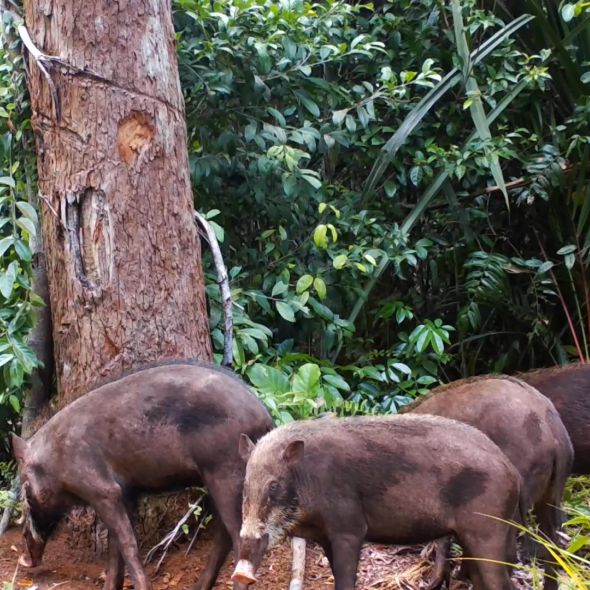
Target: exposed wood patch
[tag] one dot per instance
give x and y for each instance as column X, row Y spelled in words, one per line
column 134, row 136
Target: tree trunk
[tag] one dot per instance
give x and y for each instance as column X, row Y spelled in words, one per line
column 123, row 255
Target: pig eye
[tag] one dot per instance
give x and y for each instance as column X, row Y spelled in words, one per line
column 274, row 488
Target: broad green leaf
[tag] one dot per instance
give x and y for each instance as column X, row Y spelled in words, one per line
column 306, row 379
column 320, row 236
column 27, row 210
column 337, row 381
column 285, row 310
column 8, row 181
column 5, row 243
column 315, row 182
column 5, row 358
column 14, row 403
column 27, row 225
column 268, row 380
column 279, row 288
column 7, row 279
column 340, row 261
column 303, row 284
column 320, row 287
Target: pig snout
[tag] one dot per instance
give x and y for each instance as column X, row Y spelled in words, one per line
column 251, row 552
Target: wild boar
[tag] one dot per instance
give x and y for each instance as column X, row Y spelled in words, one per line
column 526, row 427
column 569, row 389
column 389, row 479
column 166, row 427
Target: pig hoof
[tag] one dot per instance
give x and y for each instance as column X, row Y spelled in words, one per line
column 25, row 561
column 244, row 573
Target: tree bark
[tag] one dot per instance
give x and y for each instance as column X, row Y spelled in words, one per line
column 123, row 254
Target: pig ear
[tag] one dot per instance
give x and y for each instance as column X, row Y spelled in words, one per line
column 293, row 452
column 19, row 447
column 246, row 446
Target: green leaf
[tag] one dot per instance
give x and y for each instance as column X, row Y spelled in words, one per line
column 324, row 312
column 5, row 243
column 218, row 231
column 578, row 542
column 315, row 182
column 8, row 181
column 27, row 210
column 303, row 284
column 250, row 131
column 27, row 225
column 548, row 265
column 7, row 279
column 306, row 379
column 14, row 403
column 268, row 380
column 337, row 381
column 23, row 251
column 320, row 287
column 340, row 261
column 5, row 358
column 285, row 310
column 279, row 288
column 566, row 250
column 320, row 236
column 339, row 116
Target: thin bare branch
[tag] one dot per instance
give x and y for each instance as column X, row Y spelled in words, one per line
column 45, row 64
column 223, row 281
column 165, row 543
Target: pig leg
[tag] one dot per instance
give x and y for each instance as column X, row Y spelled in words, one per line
column 115, row 574
column 116, row 567
column 549, row 518
column 485, row 548
column 221, row 547
column 226, row 492
column 441, row 570
column 111, row 509
column 345, row 549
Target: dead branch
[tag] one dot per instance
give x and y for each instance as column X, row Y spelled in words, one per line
column 45, row 63
column 298, row 564
column 165, row 543
column 223, row 282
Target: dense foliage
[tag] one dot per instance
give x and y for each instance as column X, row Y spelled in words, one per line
column 416, row 173
column 355, row 273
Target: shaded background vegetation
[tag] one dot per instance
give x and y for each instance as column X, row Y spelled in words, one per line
column 389, row 222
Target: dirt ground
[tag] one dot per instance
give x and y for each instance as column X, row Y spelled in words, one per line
column 68, row 567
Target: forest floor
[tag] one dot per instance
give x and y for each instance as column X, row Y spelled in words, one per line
column 69, row 567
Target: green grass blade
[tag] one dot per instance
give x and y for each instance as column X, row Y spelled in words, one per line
column 478, row 114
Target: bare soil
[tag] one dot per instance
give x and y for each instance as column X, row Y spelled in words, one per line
column 72, row 567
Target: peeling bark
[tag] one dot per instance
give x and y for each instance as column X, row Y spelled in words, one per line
column 123, row 254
